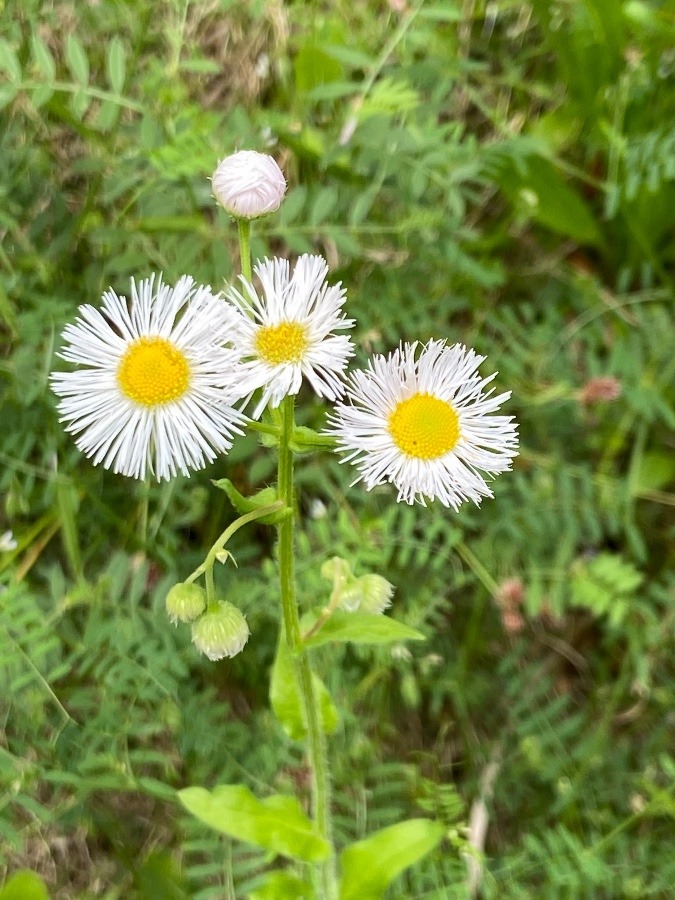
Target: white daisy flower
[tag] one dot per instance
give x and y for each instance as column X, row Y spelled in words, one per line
column 288, row 331
column 424, row 425
column 156, row 391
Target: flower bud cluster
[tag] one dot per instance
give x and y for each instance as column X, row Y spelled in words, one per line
column 368, row 593
column 218, row 630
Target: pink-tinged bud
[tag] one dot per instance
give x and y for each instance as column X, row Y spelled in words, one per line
column 603, row 389
column 249, row 184
column 221, row 631
column 510, row 593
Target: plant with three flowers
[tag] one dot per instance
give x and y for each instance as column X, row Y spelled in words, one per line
column 168, row 378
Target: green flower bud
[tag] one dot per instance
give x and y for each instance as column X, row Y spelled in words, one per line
column 351, row 596
column 185, row 602
column 221, row 631
column 376, row 593
column 336, row 569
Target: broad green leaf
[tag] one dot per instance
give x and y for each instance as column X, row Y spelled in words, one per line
column 116, row 65
column 283, row 886
column 276, row 823
column 313, row 66
column 363, row 628
column 542, row 194
column 77, row 59
column 43, row 57
column 244, row 505
column 286, row 700
column 24, row 885
column 370, row 865
column 9, row 61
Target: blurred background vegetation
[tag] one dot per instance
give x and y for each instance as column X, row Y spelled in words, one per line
column 496, row 173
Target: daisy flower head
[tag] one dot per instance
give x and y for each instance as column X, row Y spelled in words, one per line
column 287, row 331
column 155, row 389
column 423, row 423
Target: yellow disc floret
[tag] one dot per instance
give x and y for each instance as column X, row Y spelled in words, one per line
column 424, row 426
column 153, row 371
column 283, row 343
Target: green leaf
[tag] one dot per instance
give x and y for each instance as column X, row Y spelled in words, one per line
column 77, row 60
column 41, row 95
column 276, row 823
column 323, row 205
column 79, row 104
column 244, row 505
column 313, row 66
column 370, row 865
column 656, row 471
column 159, row 877
column 363, row 628
column 116, row 65
column 603, row 583
column 283, row 886
column 286, row 700
column 7, row 94
column 542, row 194
column 107, row 116
column 43, row 57
column 9, row 61
column 24, row 885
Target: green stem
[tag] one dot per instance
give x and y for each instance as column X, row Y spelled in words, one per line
column 318, row 760
column 277, row 506
column 244, row 228
column 143, row 513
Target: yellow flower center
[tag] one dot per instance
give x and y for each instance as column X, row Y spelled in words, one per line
column 153, row 371
column 424, row 426
column 282, row 343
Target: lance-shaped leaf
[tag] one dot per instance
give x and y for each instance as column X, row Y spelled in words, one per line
column 287, row 702
column 362, row 628
column 370, row 865
column 245, row 505
column 276, row 823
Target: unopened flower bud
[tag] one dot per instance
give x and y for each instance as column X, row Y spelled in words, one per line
column 603, row 389
column 185, row 602
column 376, row 593
column 351, row 596
column 221, row 631
column 336, row 569
column 249, row 184
column 510, row 593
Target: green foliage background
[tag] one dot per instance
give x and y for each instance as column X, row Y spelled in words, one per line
column 501, row 174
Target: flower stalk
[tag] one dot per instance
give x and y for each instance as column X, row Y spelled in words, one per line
column 326, row 875
column 316, row 744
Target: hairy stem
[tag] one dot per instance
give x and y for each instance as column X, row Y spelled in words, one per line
column 244, row 228
column 318, row 759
